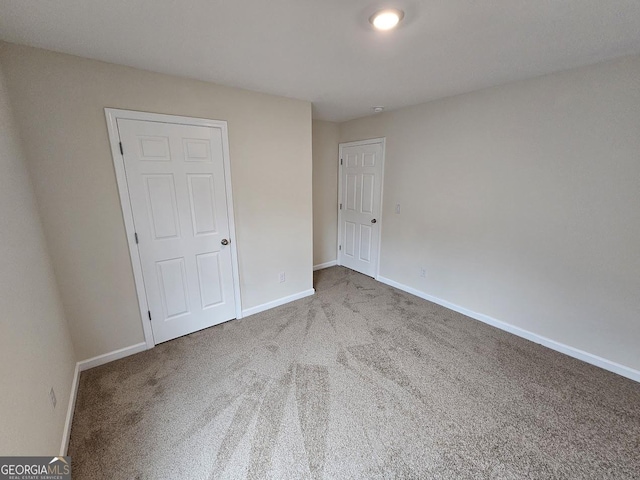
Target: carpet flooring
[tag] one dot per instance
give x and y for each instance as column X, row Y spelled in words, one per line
column 359, row 381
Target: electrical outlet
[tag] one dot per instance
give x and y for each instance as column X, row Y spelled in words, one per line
column 423, row 272
column 282, row 277
column 397, row 208
column 52, row 397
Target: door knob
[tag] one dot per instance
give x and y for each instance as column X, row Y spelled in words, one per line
column 373, row 221
column 225, row 241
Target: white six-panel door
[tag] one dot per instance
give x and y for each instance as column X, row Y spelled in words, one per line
column 176, row 183
column 360, row 205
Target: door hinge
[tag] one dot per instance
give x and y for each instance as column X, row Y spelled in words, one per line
column 340, row 206
column 149, row 312
column 121, row 149
column 136, row 235
column 340, row 247
column 340, row 159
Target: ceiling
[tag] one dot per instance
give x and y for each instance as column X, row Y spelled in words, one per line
column 325, row 51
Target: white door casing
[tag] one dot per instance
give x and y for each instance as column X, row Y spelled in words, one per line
column 360, row 205
column 177, row 188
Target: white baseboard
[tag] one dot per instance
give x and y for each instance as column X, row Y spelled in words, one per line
column 325, row 265
column 277, row 303
column 86, row 365
column 66, row 433
column 111, row 356
column 534, row 337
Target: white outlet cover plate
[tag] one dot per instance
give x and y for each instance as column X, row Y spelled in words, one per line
column 52, row 397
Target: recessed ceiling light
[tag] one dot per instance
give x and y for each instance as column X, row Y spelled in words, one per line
column 377, row 109
column 386, row 19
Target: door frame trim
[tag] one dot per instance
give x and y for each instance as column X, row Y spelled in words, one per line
column 112, row 115
column 370, row 141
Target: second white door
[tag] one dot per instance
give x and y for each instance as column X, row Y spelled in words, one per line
column 176, row 182
column 360, row 205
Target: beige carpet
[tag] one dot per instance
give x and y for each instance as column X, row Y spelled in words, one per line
column 359, row 381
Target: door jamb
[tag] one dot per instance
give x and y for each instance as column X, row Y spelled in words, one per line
column 112, row 115
column 382, row 141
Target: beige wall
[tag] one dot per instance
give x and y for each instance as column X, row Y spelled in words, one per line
column 59, row 103
column 325, row 191
column 34, row 339
column 523, row 203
